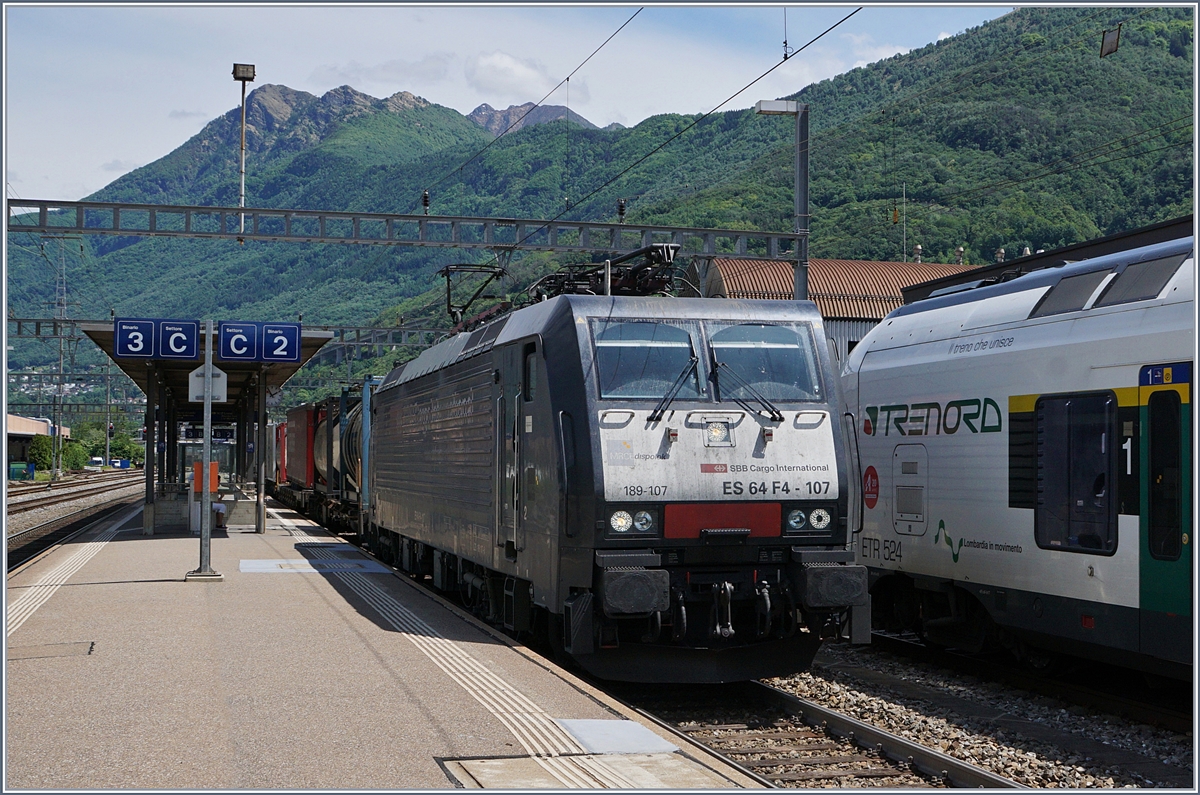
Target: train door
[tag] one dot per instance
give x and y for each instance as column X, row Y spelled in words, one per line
column 509, row 414
column 1164, row 398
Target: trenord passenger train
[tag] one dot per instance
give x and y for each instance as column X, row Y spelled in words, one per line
column 656, row 486
column 1026, row 458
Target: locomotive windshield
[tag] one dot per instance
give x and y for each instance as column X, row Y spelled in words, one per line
column 639, row 359
column 778, row 362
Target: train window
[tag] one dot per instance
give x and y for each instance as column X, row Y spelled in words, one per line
column 1075, row 473
column 642, row 359
column 777, row 361
column 1070, row 294
column 1166, row 475
column 1141, row 280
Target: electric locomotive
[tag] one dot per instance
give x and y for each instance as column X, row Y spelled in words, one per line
column 657, row 486
column 1026, row 453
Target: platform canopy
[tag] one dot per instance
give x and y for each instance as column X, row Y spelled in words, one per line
column 174, row 373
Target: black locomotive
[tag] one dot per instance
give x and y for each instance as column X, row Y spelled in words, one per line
column 657, row 486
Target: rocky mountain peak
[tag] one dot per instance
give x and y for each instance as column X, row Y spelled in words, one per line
column 402, row 100
column 519, row 116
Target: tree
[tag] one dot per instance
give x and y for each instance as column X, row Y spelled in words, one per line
column 41, row 452
column 124, row 447
column 74, row 456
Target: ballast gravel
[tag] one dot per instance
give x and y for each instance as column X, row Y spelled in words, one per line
column 1032, row 763
column 23, row 521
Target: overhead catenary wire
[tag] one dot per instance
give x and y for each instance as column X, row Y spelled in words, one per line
column 853, row 126
column 699, row 119
column 458, row 169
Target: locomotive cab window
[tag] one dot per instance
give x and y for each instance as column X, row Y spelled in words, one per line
column 643, row 360
column 1076, row 458
column 778, row 362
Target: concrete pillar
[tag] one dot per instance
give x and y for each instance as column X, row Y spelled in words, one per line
column 151, row 426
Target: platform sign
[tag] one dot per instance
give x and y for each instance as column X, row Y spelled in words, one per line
column 178, row 339
column 280, row 342
column 239, row 341
column 134, row 338
column 219, row 386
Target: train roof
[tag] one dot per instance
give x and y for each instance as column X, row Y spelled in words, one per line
column 534, row 319
column 1047, row 277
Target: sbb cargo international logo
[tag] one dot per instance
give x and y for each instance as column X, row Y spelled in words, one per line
column 719, row 469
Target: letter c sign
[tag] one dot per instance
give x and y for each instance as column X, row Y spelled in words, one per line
column 239, row 341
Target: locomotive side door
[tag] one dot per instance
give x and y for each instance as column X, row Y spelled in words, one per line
column 508, row 413
column 1165, row 455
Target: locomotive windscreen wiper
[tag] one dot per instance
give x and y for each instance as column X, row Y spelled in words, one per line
column 688, row 369
column 772, row 411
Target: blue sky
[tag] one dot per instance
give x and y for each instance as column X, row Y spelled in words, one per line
column 92, row 92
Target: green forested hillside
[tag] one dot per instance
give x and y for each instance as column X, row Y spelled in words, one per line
column 1009, row 135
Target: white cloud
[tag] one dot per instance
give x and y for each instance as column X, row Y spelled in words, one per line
column 188, row 114
column 120, row 165
column 865, row 50
column 506, row 77
column 396, row 74
column 943, row 35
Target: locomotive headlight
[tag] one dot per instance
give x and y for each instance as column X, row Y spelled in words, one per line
column 795, row 520
column 717, row 432
column 643, row 521
column 621, row 521
column 819, row 518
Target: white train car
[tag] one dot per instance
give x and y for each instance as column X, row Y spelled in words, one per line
column 1025, row 452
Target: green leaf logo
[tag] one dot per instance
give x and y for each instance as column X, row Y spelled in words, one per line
column 941, row 533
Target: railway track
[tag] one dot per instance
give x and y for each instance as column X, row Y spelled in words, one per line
column 17, row 489
column 86, row 489
column 1085, row 686
column 25, row 545
column 785, row 741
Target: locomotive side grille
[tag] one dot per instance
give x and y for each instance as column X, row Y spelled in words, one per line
column 444, row 434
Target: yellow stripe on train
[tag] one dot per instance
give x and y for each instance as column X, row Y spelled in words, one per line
column 1126, row 396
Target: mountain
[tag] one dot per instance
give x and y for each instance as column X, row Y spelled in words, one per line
column 1011, row 134
column 516, row 117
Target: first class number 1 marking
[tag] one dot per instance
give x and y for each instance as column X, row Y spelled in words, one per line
column 808, row 487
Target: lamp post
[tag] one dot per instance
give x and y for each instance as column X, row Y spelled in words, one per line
column 780, row 107
column 243, row 73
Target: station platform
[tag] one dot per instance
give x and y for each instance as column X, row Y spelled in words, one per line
column 308, row 666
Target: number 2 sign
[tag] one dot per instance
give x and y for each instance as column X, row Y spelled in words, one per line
column 280, row 342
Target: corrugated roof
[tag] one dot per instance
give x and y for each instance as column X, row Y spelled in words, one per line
column 842, row 288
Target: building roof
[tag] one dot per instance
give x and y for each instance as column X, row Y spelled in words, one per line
column 842, row 289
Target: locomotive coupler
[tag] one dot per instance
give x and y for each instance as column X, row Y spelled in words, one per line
column 762, row 609
column 723, row 609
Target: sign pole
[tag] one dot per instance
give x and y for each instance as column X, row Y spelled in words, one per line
column 260, row 450
column 205, row 571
